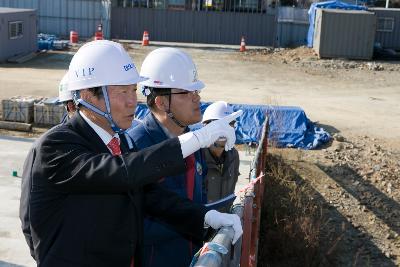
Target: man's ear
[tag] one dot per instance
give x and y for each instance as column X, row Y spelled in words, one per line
column 161, row 102
column 89, row 97
column 71, row 106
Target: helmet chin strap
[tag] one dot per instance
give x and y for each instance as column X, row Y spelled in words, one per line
column 78, row 100
column 171, row 115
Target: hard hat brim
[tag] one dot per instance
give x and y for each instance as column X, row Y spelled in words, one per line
column 71, row 86
column 198, row 85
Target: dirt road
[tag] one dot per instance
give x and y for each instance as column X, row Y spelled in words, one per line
column 347, row 100
column 358, row 175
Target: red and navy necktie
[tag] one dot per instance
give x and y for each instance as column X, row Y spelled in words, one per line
column 113, row 145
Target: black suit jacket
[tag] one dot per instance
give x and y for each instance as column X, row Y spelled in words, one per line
column 81, row 206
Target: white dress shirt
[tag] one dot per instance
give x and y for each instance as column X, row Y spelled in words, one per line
column 103, row 134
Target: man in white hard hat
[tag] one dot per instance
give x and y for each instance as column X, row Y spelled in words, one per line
column 84, row 191
column 223, row 166
column 66, row 98
column 172, row 94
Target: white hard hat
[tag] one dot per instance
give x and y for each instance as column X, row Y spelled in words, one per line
column 63, row 93
column 217, row 111
column 170, row 68
column 101, row 63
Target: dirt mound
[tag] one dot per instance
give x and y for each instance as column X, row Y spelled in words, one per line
column 305, row 57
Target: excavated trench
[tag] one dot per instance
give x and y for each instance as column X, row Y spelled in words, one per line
column 300, row 227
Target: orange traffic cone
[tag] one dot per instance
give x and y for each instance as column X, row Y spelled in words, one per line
column 73, row 37
column 145, row 40
column 98, row 35
column 242, row 45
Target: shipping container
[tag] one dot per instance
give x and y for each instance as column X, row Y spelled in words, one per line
column 17, row 32
column 387, row 27
column 344, row 33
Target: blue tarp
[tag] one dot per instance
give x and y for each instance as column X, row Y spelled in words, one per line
column 50, row 42
column 45, row 41
column 289, row 126
column 328, row 5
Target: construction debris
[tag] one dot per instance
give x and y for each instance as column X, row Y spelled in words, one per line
column 15, row 126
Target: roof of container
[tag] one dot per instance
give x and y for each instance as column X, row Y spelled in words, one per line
column 384, row 9
column 14, row 10
column 345, row 11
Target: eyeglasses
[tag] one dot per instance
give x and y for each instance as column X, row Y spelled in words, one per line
column 192, row 93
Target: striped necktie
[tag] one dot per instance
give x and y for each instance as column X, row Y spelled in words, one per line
column 113, row 145
column 190, row 171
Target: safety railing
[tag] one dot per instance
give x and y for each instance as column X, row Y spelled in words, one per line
column 253, row 203
column 219, row 252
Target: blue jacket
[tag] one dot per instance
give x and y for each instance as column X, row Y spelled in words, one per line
column 163, row 245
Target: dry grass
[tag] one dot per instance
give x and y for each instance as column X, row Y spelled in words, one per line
column 292, row 220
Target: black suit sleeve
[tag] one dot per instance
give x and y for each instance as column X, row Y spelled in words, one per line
column 24, row 203
column 184, row 215
column 69, row 164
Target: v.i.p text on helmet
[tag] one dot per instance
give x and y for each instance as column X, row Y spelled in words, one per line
column 101, row 63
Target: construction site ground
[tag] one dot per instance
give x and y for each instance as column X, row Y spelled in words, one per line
column 357, row 175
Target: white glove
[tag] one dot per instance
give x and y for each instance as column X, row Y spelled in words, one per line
column 206, row 136
column 217, row 219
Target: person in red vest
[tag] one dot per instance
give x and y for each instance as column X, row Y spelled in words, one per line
column 86, row 189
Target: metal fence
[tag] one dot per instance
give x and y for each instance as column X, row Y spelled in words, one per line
column 219, row 252
column 253, row 203
column 193, row 26
column 59, row 17
column 252, row 6
column 292, row 27
column 191, row 21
